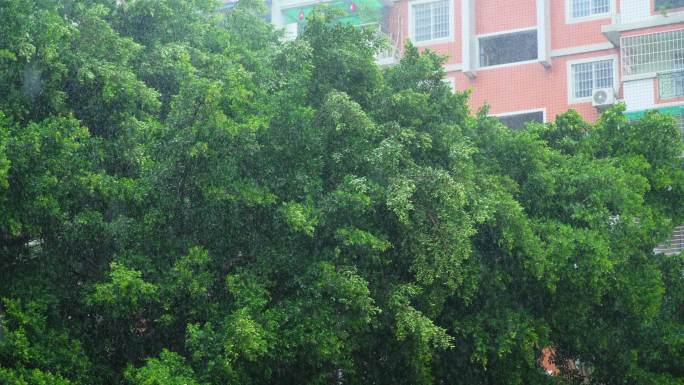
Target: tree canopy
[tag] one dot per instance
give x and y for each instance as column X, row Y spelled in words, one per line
column 185, row 198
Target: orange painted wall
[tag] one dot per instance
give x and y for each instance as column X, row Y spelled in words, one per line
column 452, row 49
column 497, row 16
column 526, row 87
column 566, row 35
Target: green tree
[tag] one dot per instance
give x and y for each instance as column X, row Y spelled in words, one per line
column 185, row 199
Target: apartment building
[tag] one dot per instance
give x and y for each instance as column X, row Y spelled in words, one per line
column 533, row 59
column 530, row 60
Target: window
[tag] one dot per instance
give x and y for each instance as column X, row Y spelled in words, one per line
column 517, row 121
column 655, row 52
column 587, row 8
column 671, row 85
column 668, row 4
column 673, row 245
column 589, row 76
column 508, row 48
column 431, row 21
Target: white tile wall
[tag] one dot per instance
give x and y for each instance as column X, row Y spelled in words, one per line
column 634, row 10
column 638, row 94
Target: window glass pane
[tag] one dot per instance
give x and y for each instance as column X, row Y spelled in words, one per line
column 603, row 74
column 671, row 85
column 422, row 14
column 440, row 11
column 581, row 8
column 600, row 6
column 508, row 48
column 668, row 4
column 584, row 8
column 431, row 21
column 518, row 121
column 582, row 79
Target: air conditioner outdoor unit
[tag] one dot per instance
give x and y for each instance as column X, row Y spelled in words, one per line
column 603, row 97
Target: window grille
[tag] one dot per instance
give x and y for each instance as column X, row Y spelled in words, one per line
column 668, row 4
column 587, row 77
column 674, row 245
column 585, row 8
column 656, row 52
column 671, row 85
column 431, row 21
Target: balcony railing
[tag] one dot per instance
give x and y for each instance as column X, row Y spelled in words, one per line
column 653, row 53
column 674, row 245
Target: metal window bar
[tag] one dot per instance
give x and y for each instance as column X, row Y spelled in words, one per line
column 590, row 76
column 655, row 52
column 601, row 6
column 440, row 19
column 431, row 20
column 603, row 74
column 583, row 79
column 584, row 8
column 671, row 85
column 422, row 20
column 581, row 8
column 674, row 245
column 668, row 4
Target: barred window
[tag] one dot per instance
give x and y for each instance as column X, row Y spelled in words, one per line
column 431, row 21
column 668, row 4
column 674, row 245
column 587, row 77
column 671, row 85
column 585, row 8
column 655, row 52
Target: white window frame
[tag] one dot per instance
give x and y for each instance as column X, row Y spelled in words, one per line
column 570, row 19
column 506, row 32
column 521, row 112
column 412, row 22
column 571, row 81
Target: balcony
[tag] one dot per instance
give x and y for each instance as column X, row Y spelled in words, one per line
column 674, row 245
column 388, row 57
column 637, row 16
column 654, row 53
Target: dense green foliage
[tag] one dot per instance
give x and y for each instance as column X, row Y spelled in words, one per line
column 185, row 199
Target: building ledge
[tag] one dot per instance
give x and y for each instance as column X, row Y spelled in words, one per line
column 613, row 31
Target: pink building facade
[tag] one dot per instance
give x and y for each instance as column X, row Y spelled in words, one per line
column 534, row 59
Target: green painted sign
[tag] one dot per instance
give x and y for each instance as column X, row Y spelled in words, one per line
column 672, row 110
column 356, row 12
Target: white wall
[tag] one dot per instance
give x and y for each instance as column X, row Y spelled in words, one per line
column 634, row 10
column 638, row 94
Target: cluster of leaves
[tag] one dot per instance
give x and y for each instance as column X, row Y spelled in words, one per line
column 185, row 199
